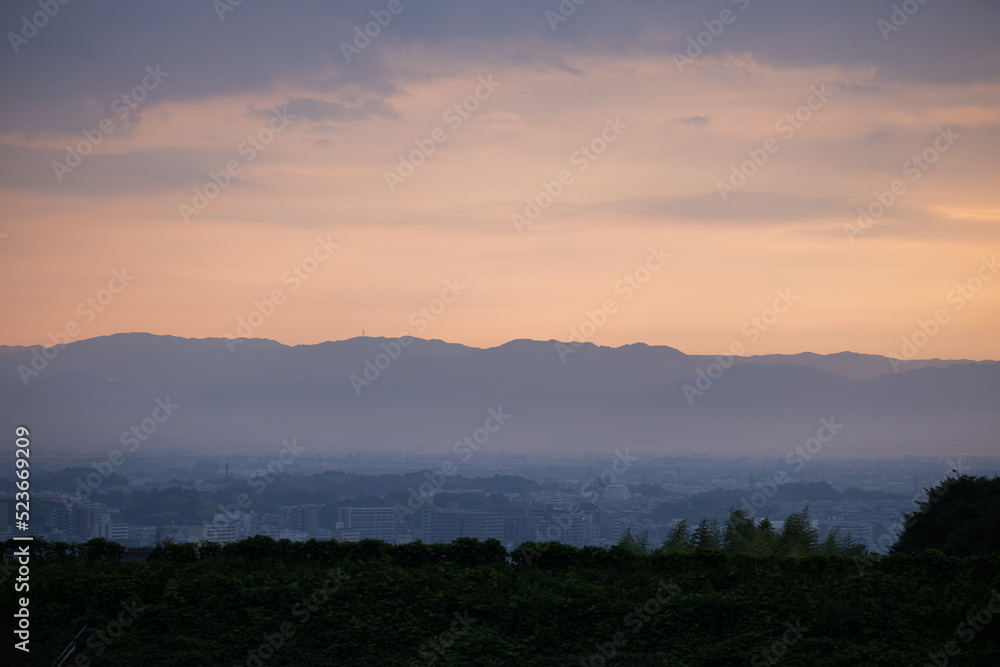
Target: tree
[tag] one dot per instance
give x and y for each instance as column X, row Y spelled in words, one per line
column 844, row 545
column 740, row 532
column 798, row 537
column 708, row 534
column 635, row 543
column 960, row 517
column 765, row 540
column 679, row 537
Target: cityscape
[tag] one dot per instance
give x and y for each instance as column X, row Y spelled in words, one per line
column 574, row 501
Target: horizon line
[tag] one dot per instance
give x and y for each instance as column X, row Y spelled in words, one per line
column 493, row 347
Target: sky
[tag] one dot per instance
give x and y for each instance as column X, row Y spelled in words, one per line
column 789, row 176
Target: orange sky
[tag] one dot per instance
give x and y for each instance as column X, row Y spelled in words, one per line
column 656, row 185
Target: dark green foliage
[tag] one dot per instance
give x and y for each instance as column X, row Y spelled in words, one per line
column 635, row 543
column 713, row 596
column 798, row 537
column 844, row 545
column 740, row 532
column 468, row 603
column 679, row 537
column 960, row 517
column 741, row 536
column 708, row 535
column 100, row 548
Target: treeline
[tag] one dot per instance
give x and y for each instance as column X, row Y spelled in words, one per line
column 708, row 596
column 741, row 535
column 262, row 602
column 716, row 503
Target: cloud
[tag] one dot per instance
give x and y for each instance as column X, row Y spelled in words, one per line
column 693, row 121
column 697, row 121
column 319, row 110
column 742, row 207
column 502, row 120
column 26, row 168
column 89, row 54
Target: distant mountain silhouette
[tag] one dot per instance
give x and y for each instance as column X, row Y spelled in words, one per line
column 653, row 399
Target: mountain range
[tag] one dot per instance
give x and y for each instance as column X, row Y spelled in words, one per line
column 416, row 395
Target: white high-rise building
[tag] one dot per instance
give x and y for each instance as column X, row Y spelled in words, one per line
column 371, row 523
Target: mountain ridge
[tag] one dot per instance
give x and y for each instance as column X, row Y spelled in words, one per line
column 376, row 393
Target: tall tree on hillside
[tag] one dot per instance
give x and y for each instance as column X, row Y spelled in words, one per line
column 679, row 537
column 635, row 543
column 765, row 539
column 798, row 537
column 836, row 543
column 961, row 517
column 708, row 534
column 740, row 532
